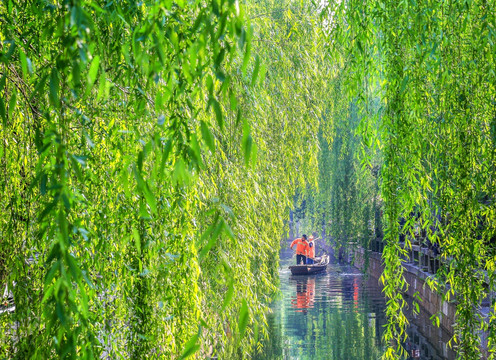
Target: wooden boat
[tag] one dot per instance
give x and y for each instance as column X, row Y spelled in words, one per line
column 319, row 266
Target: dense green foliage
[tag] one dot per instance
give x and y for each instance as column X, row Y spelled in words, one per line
column 150, row 151
column 136, row 219
column 420, row 76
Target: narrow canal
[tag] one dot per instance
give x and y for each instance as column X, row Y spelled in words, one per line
column 339, row 315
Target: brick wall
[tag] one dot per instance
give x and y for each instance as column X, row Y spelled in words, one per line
column 431, row 302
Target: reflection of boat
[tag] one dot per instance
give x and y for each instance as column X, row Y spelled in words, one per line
column 319, row 266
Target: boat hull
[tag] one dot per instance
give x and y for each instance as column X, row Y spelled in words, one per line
column 307, row 269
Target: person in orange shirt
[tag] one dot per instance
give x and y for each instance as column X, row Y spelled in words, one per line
column 310, row 250
column 301, row 249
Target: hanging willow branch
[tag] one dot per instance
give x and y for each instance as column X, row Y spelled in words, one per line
column 430, row 64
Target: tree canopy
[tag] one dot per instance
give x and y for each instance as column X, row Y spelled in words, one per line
column 149, row 153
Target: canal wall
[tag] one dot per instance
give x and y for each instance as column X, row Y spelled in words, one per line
column 432, row 302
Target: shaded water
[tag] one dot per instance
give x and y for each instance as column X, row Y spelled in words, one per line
column 339, row 315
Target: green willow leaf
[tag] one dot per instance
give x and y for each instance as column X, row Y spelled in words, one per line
column 12, row 103
column 256, row 69
column 218, row 113
column 191, row 347
column 247, row 142
column 207, row 136
column 54, row 89
column 229, row 295
column 3, row 114
column 92, row 73
column 214, row 237
column 137, row 240
column 244, row 317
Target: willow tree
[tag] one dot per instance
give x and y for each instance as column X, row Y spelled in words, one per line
column 148, row 153
column 101, row 100
column 252, row 184
column 432, row 65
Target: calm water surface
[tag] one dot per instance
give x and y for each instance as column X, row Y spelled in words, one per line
column 339, row 315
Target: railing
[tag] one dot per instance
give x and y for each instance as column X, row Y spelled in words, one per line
column 429, row 260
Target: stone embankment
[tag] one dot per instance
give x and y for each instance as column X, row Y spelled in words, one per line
column 432, row 302
column 417, row 269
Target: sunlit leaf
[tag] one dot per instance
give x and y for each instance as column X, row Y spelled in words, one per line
column 243, row 318
column 191, row 347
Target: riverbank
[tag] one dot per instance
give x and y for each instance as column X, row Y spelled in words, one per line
column 432, row 303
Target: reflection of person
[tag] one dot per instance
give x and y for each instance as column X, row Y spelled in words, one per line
column 310, row 250
column 355, row 294
column 300, row 303
column 301, row 249
column 305, row 293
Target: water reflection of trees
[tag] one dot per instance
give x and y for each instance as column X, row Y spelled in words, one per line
column 328, row 319
column 339, row 317
column 271, row 347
